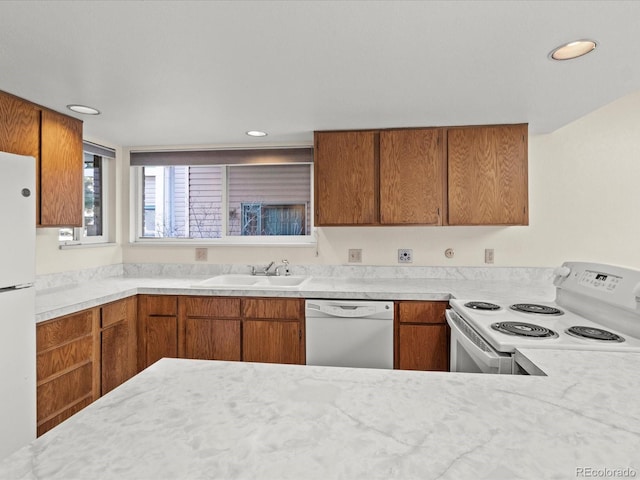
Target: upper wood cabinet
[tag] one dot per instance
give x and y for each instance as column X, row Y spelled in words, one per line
column 412, row 166
column 19, row 126
column 422, row 176
column 487, row 175
column 55, row 141
column 61, row 175
column 346, row 178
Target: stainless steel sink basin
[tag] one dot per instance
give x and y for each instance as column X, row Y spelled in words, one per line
column 253, row 282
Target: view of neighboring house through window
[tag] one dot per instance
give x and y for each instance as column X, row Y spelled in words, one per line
column 218, row 201
column 94, row 229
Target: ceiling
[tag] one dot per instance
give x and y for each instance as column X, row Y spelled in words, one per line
column 203, row 73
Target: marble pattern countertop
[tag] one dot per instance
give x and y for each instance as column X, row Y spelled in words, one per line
column 56, row 301
column 195, row 419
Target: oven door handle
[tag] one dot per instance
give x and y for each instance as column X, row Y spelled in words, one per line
column 475, row 346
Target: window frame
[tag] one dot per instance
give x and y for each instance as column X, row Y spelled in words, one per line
column 108, row 156
column 137, row 218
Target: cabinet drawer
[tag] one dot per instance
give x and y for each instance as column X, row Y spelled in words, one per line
column 59, row 359
column 212, row 307
column 116, row 312
column 422, row 312
column 64, row 391
column 273, row 308
column 47, row 425
column 160, row 304
column 62, row 330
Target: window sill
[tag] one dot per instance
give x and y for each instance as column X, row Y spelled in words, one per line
column 73, row 246
column 311, row 243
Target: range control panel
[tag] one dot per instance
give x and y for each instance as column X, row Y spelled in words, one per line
column 604, row 282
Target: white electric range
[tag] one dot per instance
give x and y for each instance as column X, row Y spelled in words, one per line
column 597, row 307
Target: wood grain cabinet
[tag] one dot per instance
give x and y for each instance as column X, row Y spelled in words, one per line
column 55, row 141
column 68, row 366
column 412, row 166
column 273, row 330
column 157, row 328
column 117, row 343
column 487, row 175
column 61, row 171
column 210, row 328
column 346, row 178
column 421, row 336
column 422, row 176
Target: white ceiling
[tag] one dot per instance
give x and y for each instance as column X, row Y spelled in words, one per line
column 195, row 73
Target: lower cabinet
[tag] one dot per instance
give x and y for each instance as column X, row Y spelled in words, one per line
column 157, row 328
column 421, row 336
column 211, row 328
column 81, row 357
column 269, row 330
column 273, row 330
column 68, row 366
column 117, row 343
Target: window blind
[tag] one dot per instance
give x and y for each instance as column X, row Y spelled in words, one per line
column 223, row 157
column 99, row 150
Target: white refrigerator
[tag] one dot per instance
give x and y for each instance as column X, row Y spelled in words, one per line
column 17, row 302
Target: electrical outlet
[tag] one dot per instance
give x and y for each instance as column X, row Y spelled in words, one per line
column 405, row 255
column 355, row 255
column 201, row 254
column 488, row 255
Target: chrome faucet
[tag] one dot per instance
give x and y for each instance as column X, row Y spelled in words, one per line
column 265, row 270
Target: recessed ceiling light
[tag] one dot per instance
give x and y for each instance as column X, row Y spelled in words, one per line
column 83, row 109
column 573, row 50
column 256, row 133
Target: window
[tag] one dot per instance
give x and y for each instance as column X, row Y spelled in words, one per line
column 95, row 192
column 224, row 198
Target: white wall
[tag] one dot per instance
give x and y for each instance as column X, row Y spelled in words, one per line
column 584, row 202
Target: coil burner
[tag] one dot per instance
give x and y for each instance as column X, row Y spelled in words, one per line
column 482, row 306
column 537, row 309
column 522, row 329
column 592, row 333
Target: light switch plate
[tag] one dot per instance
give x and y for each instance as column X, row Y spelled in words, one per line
column 488, row 255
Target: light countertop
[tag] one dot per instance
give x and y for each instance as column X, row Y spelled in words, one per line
column 60, row 301
column 195, row 419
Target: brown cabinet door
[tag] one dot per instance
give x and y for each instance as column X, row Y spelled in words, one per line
column 212, row 339
column 423, row 347
column 412, row 176
column 19, row 126
column 61, row 171
column 487, row 175
column 160, row 338
column 346, row 178
column 116, row 359
column 118, row 343
column 272, row 341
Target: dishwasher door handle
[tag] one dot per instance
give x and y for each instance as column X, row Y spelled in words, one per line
column 347, row 311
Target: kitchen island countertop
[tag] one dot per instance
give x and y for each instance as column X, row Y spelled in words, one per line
column 190, row 419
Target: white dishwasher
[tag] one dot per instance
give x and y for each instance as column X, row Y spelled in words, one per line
column 349, row 333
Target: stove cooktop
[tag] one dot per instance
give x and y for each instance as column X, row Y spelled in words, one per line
column 540, row 325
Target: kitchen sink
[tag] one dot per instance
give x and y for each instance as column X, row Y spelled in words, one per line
column 239, row 281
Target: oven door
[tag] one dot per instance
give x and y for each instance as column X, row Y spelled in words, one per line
column 470, row 353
